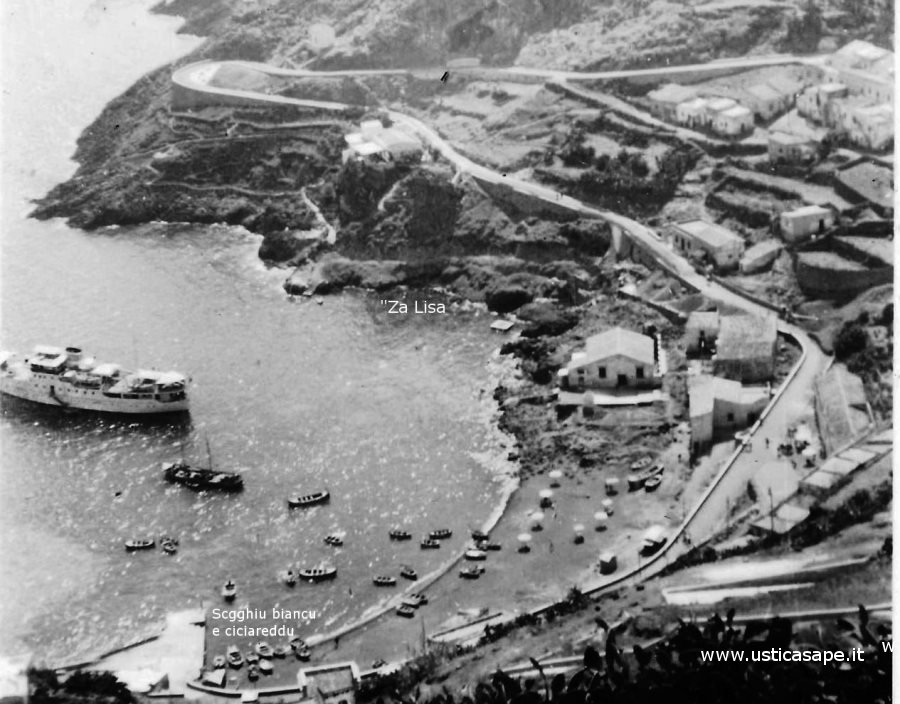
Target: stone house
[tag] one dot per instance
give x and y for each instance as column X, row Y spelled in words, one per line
column 664, row 100
column 797, row 225
column 721, row 407
column 745, row 348
column 713, row 243
column 614, row 359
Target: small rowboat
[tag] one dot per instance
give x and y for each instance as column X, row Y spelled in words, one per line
column 384, row 581
column 652, row 483
column 479, row 536
column 406, row 611
column 218, row 662
column 415, row 600
column 280, row 651
column 139, row 544
column 235, row 659
column 303, row 653
column 491, row 546
column 473, row 572
column 289, row 577
column 409, row 573
column 318, row 497
column 253, row 672
column 398, row 534
column 440, row 534
column 297, row 642
column 169, row 547
column 229, row 591
column 263, row 649
column 429, row 544
column 475, row 555
column 641, row 463
column 252, row 658
column 266, row 667
column 334, row 540
column 318, row 574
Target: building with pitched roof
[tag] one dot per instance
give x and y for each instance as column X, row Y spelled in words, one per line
column 760, row 256
column 708, row 241
column 721, row 407
column 745, row 348
column 734, row 121
column 665, row 99
column 614, row 359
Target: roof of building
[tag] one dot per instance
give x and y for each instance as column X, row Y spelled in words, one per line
column 709, row 233
column 695, row 104
column 785, row 85
column 787, row 139
column 703, row 319
column 720, row 104
column 672, row 93
column 856, row 454
column 862, row 51
column 762, row 249
column 832, row 87
column 806, row 210
column 746, row 337
column 737, row 111
column 820, row 480
column 704, row 390
column 873, row 182
column 393, row 139
column 617, row 342
column 763, row 91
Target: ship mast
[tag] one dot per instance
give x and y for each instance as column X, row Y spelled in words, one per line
column 208, row 453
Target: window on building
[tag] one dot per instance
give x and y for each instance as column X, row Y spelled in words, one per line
column 601, row 372
column 639, row 373
column 730, row 417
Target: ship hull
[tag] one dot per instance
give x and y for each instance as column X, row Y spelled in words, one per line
column 57, row 395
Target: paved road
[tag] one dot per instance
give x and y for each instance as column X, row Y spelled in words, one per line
column 708, row 516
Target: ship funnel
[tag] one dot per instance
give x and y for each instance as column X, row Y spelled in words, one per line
column 74, row 355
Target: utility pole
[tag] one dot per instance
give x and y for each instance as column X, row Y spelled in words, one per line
column 771, row 512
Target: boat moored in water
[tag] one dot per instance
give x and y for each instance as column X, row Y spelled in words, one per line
column 65, row 378
column 475, row 555
column 409, row 573
column 405, row 611
column 218, row 662
column 384, row 581
column 440, row 534
column 306, row 500
column 139, row 544
column 429, row 544
column 235, row 659
column 318, row 574
column 229, row 590
column 473, row 572
column 334, row 540
column 399, row 534
column 201, row 478
column 415, row 600
column 263, row 649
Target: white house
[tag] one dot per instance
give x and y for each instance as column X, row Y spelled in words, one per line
column 374, row 140
column 764, row 100
column 692, row 113
column 720, row 407
column 799, row 224
column 866, row 69
column 760, row 256
column 813, row 102
column 790, row 148
column 733, row 121
column 665, row 99
column 719, row 246
column 616, row 358
column 745, row 348
column 716, row 105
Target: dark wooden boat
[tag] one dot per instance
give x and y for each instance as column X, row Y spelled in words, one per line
column 406, row 611
column 415, row 600
column 280, row 651
column 235, row 659
column 398, row 534
column 229, row 590
column 307, row 500
column 473, row 572
column 169, row 547
column 318, row 574
column 652, row 483
column 253, row 672
column 263, row 649
column 429, row 544
column 440, row 534
column 479, row 536
column 266, row 667
column 384, row 581
column 303, row 653
column 334, row 540
column 252, row 658
column 288, row 576
column 219, row 662
column 409, row 573
column 201, row 478
column 139, row 544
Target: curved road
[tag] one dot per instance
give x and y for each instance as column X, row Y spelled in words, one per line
column 794, row 399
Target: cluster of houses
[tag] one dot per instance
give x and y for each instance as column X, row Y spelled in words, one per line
column 854, row 94
column 375, row 142
column 740, row 348
column 742, row 351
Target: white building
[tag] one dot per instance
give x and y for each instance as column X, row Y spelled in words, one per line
column 721, row 407
column 375, row 141
column 814, row 101
column 665, row 99
column 714, row 243
column 866, row 69
column 765, row 101
column 692, row 113
column 614, row 359
column 734, row 121
column 790, row 148
column 799, row 224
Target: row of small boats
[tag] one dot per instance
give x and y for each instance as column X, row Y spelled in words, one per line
column 259, row 660
column 167, row 544
column 647, row 477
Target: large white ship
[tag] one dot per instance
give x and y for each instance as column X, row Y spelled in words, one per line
column 67, row 379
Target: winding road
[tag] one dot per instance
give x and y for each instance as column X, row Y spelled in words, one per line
column 790, row 404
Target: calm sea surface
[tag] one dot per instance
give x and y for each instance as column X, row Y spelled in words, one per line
column 389, row 413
